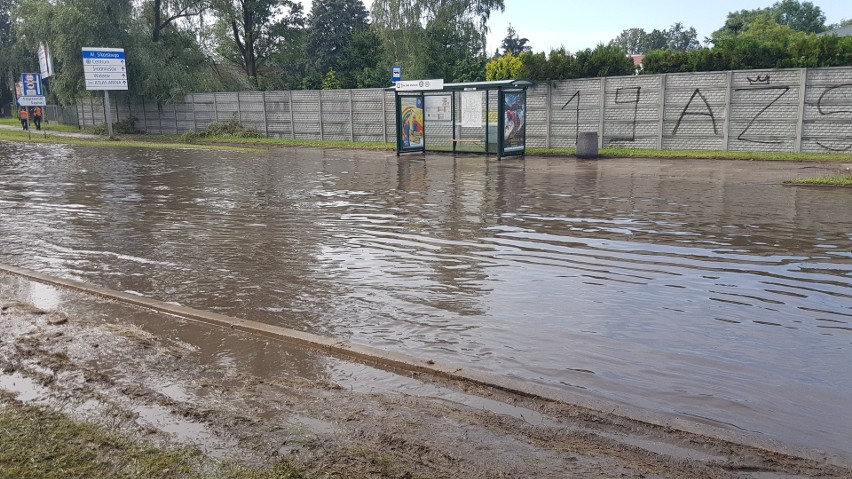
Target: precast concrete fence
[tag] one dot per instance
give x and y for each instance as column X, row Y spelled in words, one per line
column 792, row 110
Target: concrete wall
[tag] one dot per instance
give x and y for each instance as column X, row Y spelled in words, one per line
column 807, row 110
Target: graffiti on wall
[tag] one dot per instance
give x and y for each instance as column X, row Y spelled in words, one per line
column 708, row 112
column 831, row 103
column 627, row 96
column 577, row 112
column 745, row 135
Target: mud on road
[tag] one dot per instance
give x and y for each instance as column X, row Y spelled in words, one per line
column 158, row 378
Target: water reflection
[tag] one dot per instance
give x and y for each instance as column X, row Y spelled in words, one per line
column 700, row 287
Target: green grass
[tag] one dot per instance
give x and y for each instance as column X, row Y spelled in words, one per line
column 697, row 154
column 840, row 180
column 143, row 141
column 227, row 142
column 52, row 126
column 38, row 443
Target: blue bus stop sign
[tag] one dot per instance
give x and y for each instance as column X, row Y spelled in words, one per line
column 397, row 74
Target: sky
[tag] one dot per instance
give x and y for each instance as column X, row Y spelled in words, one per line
column 578, row 25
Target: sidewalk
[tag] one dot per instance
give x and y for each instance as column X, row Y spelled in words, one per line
column 49, row 132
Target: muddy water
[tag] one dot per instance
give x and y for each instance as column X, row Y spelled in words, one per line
column 700, row 288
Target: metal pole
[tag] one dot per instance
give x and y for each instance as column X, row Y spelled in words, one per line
column 108, row 113
column 215, row 108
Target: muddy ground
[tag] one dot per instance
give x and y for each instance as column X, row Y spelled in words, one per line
column 250, row 399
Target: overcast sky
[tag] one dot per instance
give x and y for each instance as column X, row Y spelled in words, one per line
column 578, row 25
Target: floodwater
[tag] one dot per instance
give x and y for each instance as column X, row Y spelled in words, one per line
column 704, row 289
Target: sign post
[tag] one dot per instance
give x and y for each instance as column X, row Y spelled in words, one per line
column 396, row 74
column 104, row 69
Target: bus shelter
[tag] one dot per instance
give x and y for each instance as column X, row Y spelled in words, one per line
column 477, row 117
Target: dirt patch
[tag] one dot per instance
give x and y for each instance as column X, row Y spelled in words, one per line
column 110, row 367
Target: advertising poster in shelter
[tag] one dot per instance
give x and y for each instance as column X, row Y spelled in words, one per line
column 514, row 122
column 439, row 108
column 471, row 109
column 411, row 118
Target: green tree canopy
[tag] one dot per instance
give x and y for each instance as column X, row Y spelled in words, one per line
column 514, row 43
column 251, row 31
column 332, row 25
column 800, row 16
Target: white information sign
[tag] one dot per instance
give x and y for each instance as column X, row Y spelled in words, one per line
column 420, row 85
column 45, row 60
column 439, row 108
column 104, row 68
column 471, row 109
column 32, row 101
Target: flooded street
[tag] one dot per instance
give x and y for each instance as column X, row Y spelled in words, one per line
column 704, row 289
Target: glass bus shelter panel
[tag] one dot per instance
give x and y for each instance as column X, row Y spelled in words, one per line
column 438, row 116
column 513, row 122
column 470, row 124
column 410, row 131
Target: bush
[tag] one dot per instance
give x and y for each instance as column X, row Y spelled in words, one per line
column 231, row 128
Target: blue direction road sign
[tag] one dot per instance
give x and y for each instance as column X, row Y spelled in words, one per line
column 31, row 84
column 104, row 68
column 396, row 74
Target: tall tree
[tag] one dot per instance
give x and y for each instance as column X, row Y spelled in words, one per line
column 252, row 30
column 164, row 13
column 403, row 26
column 680, row 38
column 69, row 25
column 332, row 25
column 514, row 43
column 800, row 16
column 631, row 40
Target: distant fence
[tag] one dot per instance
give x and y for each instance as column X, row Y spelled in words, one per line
column 808, row 110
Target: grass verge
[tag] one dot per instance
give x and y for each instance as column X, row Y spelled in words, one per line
column 144, row 141
column 210, row 140
column 48, row 127
column 839, row 180
column 38, row 443
column 697, row 154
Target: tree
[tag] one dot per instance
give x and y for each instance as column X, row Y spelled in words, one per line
column 331, row 82
column 252, row 30
column 164, row 13
column 332, row 25
column 513, row 43
column 682, row 39
column 404, row 27
column 656, row 40
column 631, row 40
column 800, row 16
column 69, row 25
column 603, row 61
column 506, row 67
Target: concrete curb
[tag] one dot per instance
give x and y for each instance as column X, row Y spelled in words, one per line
column 403, row 362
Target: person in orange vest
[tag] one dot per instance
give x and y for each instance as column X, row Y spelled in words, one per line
column 37, row 118
column 22, row 115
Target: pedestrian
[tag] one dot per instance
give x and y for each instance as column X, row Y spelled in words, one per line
column 37, row 118
column 22, row 115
